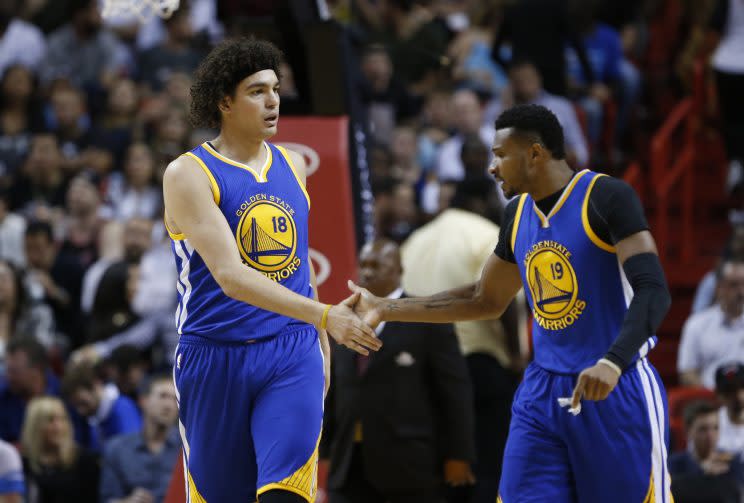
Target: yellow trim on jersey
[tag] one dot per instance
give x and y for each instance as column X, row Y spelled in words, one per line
column 517, row 218
column 651, row 494
column 260, row 177
column 585, row 220
column 294, row 172
column 561, row 200
column 215, row 188
column 174, row 236
column 303, row 482
column 194, row 495
column 499, row 500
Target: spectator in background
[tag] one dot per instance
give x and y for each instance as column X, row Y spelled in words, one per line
column 126, row 367
column 57, row 470
column 12, row 484
column 399, row 423
column 467, row 112
column 27, row 376
column 38, row 191
column 730, row 391
column 112, row 306
column 449, row 252
column 436, row 123
column 396, row 214
column 110, row 250
column 615, row 78
column 81, row 226
column 54, row 280
column 171, row 132
column 120, row 121
column 19, row 117
column 416, row 40
column 70, row 122
column 174, row 54
column 12, row 230
column 538, row 31
column 21, row 43
column 525, row 87
column 20, row 315
column 715, row 335
column 705, row 294
column 138, row 466
column 100, row 412
column 704, row 473
column 386, row 98
column 157, row 275
column 81, row 51
column 134, row 194
column 728, row 24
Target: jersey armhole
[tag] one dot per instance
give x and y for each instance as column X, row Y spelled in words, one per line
column 212, row 180
column 585, row 220
column 288, row 158
column 174, row 236
column 515, row 224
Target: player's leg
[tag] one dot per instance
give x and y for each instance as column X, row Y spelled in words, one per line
column 214, row 421
column 618, row 447
column 536, row 466
column 287, row 415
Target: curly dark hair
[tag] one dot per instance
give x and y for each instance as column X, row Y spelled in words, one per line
column 537, row 123
column 222, row 70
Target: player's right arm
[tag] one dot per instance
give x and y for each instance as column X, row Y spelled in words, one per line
column 485, row 299
column 190, row 205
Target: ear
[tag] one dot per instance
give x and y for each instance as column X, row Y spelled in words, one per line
column 225, row 104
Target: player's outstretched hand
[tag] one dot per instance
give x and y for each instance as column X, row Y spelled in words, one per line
column 348, row 329
column 368, row 307
column 594, row 383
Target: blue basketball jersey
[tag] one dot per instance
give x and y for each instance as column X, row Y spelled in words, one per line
column 267, row 211
column 573, row 281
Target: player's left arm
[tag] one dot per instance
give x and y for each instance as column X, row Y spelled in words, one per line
column 618, row 214
column 299, row 164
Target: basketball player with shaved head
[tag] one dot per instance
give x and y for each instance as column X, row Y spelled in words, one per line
column 253, row 349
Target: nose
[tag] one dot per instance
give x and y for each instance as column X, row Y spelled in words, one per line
column 272, row 100
column 493, row 168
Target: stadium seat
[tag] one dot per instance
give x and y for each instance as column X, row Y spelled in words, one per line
column 679, row 398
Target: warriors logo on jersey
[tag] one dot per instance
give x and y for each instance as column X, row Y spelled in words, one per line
column 553, row 285
column 267, row 236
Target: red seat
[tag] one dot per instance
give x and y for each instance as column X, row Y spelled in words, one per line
column 679, row 399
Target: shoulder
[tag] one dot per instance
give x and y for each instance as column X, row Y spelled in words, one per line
column 10, row 460
column 701, row 322
column 185, row 174
column 119, row 443
column 126, row 407
column 510, row 211
column 611, row 187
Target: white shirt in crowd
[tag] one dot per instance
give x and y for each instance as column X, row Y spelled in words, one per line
column 22, row 43
column 709, row 342
column 730, row 435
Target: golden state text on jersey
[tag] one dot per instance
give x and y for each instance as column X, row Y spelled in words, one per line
column 574, row 284
column 267, row 210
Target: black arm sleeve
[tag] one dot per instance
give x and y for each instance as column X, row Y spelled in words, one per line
column 503, row 247
column 651, row 301
column 615, row 213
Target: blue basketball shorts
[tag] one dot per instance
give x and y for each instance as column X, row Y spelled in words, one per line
column 250, row 415
column 613, row 451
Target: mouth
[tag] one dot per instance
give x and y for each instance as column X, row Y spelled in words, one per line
column 271, row 120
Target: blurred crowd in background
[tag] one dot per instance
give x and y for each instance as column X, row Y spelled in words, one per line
column 93, row 110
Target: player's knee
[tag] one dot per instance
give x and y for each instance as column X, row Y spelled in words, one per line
column 279, row 496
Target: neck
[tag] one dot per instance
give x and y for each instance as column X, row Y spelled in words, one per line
column 236, row 146
column 554, row 177
column 37, row 386
column 732, row 313
column 154, row 433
